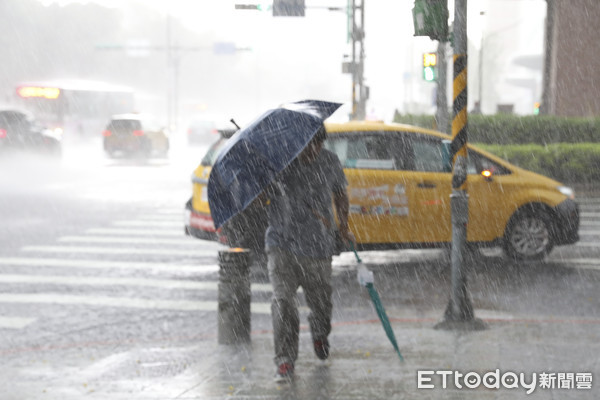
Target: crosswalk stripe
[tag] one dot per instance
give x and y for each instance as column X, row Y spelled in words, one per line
column 588, row 201
column 121, row 302
column 123, row 250
column 582, row 263
column 83, row 263
column 588, row 210
column 587, row 214
column 183, row 241
column 593, row 261
column 102, row 281
column 587, row 244
column 154, row 214
column 588, row 233
column 15, row 322
column 139, row 232
column 157, row 224
column 171, row 211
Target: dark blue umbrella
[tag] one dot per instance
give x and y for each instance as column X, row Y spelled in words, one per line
column 254, row 156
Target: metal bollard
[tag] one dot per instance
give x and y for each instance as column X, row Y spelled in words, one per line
column 234, row 296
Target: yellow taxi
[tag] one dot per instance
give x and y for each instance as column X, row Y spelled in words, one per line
column 399, row 179
column 135, row 134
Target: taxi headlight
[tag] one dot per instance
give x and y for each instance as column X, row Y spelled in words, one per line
column 567, row 191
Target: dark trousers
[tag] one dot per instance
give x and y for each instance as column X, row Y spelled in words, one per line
column 287, row 273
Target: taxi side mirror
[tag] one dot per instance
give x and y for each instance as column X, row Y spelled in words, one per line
column 487, row 174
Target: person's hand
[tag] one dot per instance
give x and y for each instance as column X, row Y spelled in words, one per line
column 348, row 237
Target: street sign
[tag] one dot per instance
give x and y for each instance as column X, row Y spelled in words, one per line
column 347, row 67
column 221, row 48
column 138, row 48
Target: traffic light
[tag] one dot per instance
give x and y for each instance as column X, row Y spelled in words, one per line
column 288, row 8
column 430, row 18
column 430, row 67
column 536, row 108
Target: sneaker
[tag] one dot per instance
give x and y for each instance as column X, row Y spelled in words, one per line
column 321, row 348
column 285, row 371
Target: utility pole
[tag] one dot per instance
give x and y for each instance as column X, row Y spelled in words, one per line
column 171, row 79
column 174, row 53
column 547, row 103
column 479, row 103
column 296, row 8
column 359, row 104
column 441, row 114
column 459, row 313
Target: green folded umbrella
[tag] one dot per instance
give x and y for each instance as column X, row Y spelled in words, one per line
column 380, row 310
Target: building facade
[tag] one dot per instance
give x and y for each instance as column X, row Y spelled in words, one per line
column 571, row 86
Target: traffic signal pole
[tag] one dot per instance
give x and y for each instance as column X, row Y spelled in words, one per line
column 296, row 8
column 354, row 67
column 359, row 90
column 459, row 312
column 441, row 114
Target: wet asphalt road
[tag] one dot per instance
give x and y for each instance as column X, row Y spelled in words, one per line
column 94, row 266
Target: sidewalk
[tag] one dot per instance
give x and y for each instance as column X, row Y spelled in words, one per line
column 363, row 364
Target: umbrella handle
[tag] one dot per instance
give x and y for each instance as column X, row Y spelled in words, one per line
column 364, row 275
column 355, row 253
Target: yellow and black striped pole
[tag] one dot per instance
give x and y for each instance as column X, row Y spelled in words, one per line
column 458, row 147
column 459, row 313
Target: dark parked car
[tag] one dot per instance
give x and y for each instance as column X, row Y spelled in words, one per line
column 20, row 131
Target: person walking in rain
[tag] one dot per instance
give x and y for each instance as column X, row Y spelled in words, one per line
column 300, row 242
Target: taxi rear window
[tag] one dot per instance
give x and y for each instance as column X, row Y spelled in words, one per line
column 401, row 151
column 369, row 151
column 125, row 125
column 428, row 155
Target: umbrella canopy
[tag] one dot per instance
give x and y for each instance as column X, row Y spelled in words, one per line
column 253, row 157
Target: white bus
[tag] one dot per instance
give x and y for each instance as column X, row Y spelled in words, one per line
column 74, row 108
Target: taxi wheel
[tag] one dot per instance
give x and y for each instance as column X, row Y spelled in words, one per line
column 528, row 236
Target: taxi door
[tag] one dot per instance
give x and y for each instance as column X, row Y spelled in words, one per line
column 429, row 185
column 379, row 202
column 491, row 201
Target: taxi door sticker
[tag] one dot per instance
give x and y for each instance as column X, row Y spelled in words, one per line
column 380, row 201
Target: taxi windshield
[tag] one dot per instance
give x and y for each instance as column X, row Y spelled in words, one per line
column 211, row 156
